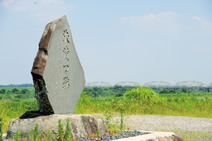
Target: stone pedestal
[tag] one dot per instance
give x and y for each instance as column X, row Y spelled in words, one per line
column 81, row 125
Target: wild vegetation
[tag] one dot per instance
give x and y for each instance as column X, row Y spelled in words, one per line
column 9, row 92
column 133, row 101
column 19, row 92
column 146, row 101
column 14, row 108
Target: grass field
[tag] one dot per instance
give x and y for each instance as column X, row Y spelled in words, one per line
column 171, row 105
column 139, row 101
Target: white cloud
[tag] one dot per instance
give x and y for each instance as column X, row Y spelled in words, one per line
column 164, row 19
column 5, row 3
column 197, row 18
column 149, row 18
column 202, row 21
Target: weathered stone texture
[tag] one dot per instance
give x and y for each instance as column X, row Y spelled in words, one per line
column 81, row 125
column 57, row 73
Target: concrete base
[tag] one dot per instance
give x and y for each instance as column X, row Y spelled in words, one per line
column 81, row 125
column 155, row 136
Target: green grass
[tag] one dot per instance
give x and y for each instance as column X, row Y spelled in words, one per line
column 188, row 94
column 15, row 108
column 174, row 105
column 137, row 101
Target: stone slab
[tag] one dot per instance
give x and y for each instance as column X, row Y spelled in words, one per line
column 57, row 72
column 81, row 125
column 155, row 136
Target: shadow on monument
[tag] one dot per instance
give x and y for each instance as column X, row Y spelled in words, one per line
column 32, row 114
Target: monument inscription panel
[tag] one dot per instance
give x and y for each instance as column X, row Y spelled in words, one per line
column 57, row 73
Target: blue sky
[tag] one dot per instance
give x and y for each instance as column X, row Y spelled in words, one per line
column 116, row 40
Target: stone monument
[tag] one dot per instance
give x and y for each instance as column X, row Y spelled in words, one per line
column 58, row 80
column 57, row 73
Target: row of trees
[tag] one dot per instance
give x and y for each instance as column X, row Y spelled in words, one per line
column 16, row 85
column 116, row 90
column 15, row 91
column 119, row 91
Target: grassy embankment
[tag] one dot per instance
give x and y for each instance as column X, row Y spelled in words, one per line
column 137, row 101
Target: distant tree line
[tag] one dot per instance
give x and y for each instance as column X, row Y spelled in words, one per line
column 111, row 91
column 119, row 91
column 16, row 85
column 16, row 91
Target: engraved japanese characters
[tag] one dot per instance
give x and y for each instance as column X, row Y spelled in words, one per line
column 57, row 73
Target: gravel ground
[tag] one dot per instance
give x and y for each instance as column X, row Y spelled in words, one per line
column 170, row 123
column 193, row 129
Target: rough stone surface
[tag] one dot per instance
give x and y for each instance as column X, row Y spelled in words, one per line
column 155, row 136
column 81, row 125
column 57, row 73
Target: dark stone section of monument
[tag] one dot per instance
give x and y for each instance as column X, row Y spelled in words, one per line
column 41, row 95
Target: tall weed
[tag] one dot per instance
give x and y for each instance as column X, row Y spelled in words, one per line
column 17, row 136
column 68, row 135
column 108, row 119
column 49, row 135
column 64, row 135
column 1, row 133
column 121, row 120
column 36, row 133
column 60, row 130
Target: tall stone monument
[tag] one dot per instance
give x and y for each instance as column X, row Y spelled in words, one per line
column 57, row 73
column 59, row 80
